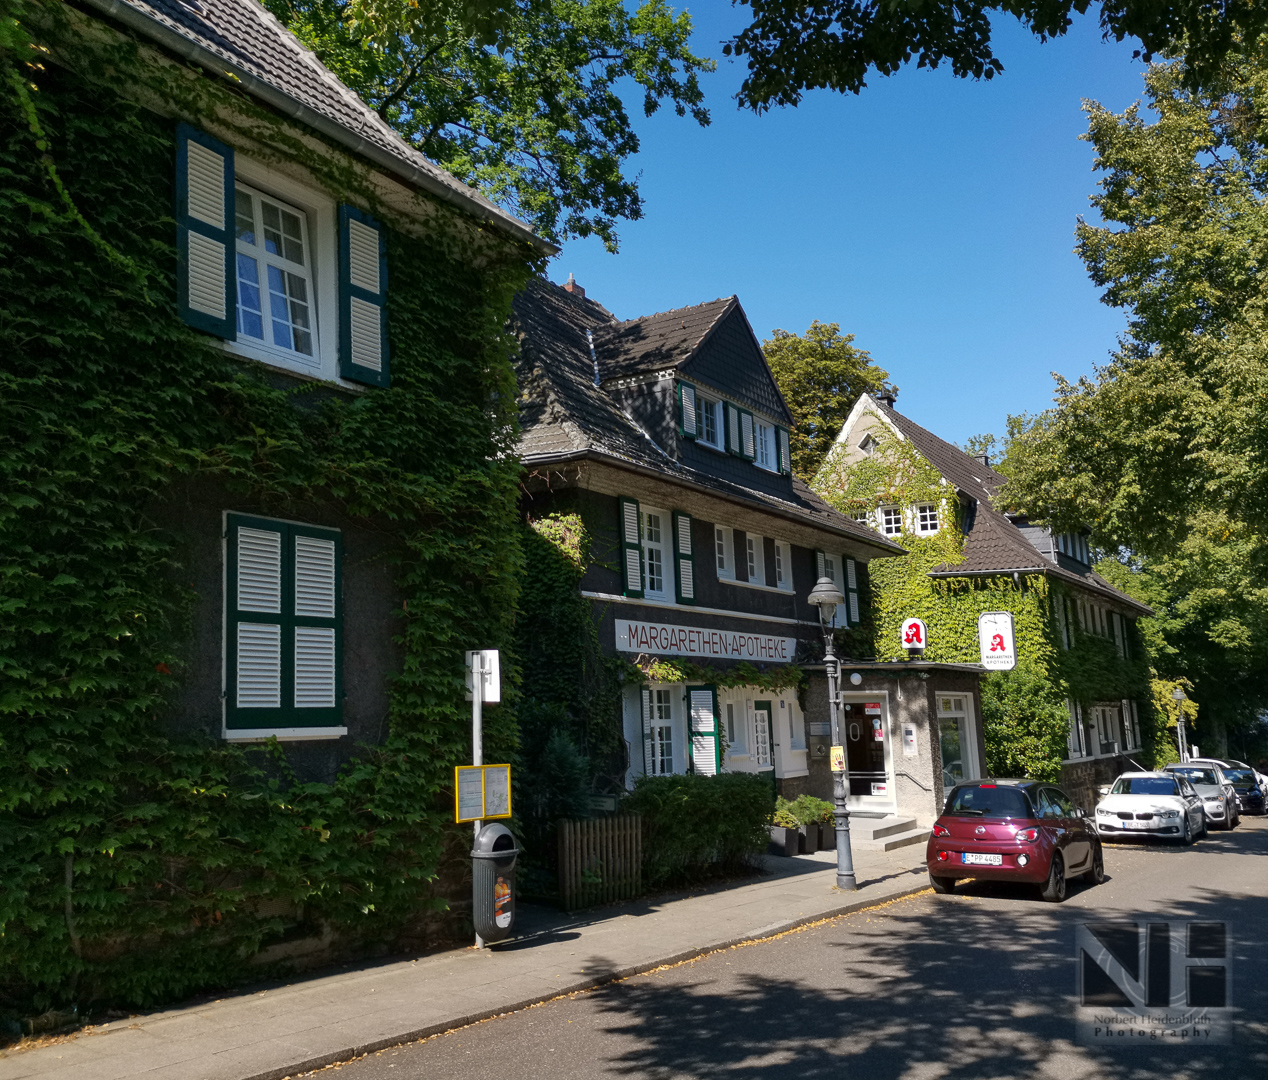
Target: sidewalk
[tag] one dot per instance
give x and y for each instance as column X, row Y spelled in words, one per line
column 315, row 1021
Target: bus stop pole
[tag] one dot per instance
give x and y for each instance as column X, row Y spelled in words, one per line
column 477, row 735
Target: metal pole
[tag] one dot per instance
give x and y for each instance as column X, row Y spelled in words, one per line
column 845, row 858
column 477, row 745
column 1184, row 748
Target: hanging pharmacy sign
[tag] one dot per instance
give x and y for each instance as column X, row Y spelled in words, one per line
column 995, row 637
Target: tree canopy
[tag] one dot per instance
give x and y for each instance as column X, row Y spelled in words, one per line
column 792, row 46
column 821, row 375
column 521, row 100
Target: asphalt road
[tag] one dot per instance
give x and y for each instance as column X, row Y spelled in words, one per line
column 979, row 984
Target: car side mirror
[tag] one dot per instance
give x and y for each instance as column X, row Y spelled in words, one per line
column 1104, row 790
column 1078, row 811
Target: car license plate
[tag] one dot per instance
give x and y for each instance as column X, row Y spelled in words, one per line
column 1135, row 824
column 973, row 858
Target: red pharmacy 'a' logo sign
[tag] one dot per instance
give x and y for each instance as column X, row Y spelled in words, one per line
column 997, row 643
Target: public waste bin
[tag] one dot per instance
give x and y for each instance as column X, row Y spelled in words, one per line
column 493, row 882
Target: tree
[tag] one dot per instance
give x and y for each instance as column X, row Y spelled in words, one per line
column 796, row 46
column 519, row 100
column 821, row 376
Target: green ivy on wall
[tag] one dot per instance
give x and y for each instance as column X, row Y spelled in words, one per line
column 135, row 865
column 1025, row 712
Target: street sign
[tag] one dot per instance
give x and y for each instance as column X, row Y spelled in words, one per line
column 491, row 681
column 995, row 638
column 914, row 634
column 481, row 792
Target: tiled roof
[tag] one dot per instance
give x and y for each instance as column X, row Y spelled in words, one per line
column 269, row 62
column 654, row 342
column 992, row 543
column 563, row 415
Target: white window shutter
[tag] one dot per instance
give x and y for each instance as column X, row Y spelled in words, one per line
column 315, row 663
column 259, row 664
column 206, row 279
column 702, row 703
column 820, row 566
column 852, row 591
column 259, row 570
column 684, row 558
column 785, row 457
column 631, row 547
column 749, row 446
column 689, row 421
column 363, row 342
column 734, row 444
column 649, row 755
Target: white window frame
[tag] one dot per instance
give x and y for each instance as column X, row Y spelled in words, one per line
column 755, row 558
column 783, row 566
column 712, row 408
column 889, row 518
column 664, row 548
column 322, row 225
column 834, row 567
column 724, row 552
column 968, row 729
column 663, row 722
column 767, row 453
column 868, row 444
column 922, row 514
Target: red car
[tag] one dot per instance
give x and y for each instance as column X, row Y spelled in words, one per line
column 1013, row 830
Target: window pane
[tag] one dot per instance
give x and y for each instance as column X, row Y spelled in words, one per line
column 278, row 304
column 292, row 238
column 655, row 571
column 272, row 228
column 244, row 217
column 250, row 313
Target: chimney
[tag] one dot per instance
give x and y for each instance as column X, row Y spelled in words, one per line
column 887, row 397
column 985, row 459
column 576, row 290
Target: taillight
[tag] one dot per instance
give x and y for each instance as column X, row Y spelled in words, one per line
column 1028, row 835
column 942, row 856
column 940, row 830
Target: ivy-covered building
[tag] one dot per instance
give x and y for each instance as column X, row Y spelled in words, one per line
column 664, row 439
column 1076, row 703
column 258, row 495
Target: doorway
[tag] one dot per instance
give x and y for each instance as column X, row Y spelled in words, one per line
column 869, row 764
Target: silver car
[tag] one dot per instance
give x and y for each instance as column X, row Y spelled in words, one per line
column 1219, row 800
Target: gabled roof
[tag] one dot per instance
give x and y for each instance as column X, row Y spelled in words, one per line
column 992, row 543
column 565, row 417
column 655, row 342
column 242, row 39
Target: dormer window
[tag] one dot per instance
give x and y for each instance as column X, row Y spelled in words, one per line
column 1075, row 546
column 710, row 421
column 766, row 452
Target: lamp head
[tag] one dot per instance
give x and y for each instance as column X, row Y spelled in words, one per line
column 825, row 596
column 1177, row 694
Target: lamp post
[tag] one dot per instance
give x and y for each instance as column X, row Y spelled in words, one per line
column 826, row 596
column 1177, row 695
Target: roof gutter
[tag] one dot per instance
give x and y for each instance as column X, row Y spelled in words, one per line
column 565, row 456
column 297, row 110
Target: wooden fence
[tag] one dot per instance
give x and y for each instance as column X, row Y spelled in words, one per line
column 600, row 860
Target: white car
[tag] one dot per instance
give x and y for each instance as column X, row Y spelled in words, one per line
column 1151, row 804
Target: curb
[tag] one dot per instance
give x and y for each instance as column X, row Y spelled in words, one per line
column 332, row 1057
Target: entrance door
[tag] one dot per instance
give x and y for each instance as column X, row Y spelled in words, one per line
column 869, row 768
column 761, row 734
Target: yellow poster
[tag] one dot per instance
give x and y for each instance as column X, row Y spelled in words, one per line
column 838, row 759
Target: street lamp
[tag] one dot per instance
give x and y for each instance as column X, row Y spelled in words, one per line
column 826, row 596
column 1177, row 695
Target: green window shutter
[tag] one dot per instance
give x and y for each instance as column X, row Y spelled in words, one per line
column 706, row 747
column 748, row 433
column 734, row 445
column 781, row 448
column 631, row 548
column 852, row 592
column 821, row 569
column 283, row 625
column 649, row 755
column 684, row 558
column 206, row 280
column 363, row 344
column 688, row 420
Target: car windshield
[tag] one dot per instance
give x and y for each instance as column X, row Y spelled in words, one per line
column 1144, row 785
column 992, row 802
column 1240, row 776
column 1198, row 776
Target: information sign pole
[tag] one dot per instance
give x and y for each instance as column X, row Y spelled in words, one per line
column 477, row 734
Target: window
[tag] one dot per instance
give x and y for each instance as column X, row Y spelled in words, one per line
column 867, row 445
column 282, row 631
column 926, row 519
column 767, row 455
column 955, row 740
column 722, row 541
column 274, row 274
column 832, row 566
column 655, row 557
column 662, row 733
column 730, row 724
column 861, row 516
column 891, row 520
column 760, row 723
column 783, row 565
column 710, row 422
column 756, row 559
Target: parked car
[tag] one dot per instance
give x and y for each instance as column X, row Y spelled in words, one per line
column 1247, row 783
column 1151, row 804
column 1219, row 799
column 1013, row 830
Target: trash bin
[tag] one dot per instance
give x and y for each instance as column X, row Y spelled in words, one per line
column 493, row 882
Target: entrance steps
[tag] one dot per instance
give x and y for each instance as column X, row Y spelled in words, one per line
column 886, row 833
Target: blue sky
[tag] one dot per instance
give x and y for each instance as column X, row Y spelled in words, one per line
column 931, row 217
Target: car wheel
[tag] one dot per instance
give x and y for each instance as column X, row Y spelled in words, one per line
column 1097, row 874
column 1186, row 837
column 1206, row 828
column 1055, row 887
column 942, row 884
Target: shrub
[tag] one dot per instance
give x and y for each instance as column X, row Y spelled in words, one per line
column 807, row 809
column 699, row 826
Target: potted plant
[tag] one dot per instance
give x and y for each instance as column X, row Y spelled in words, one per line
column 784, row 832
column 809, row 811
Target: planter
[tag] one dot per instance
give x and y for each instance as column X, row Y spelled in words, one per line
column 827, row 836
column 783, row 841
column 808, row 842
